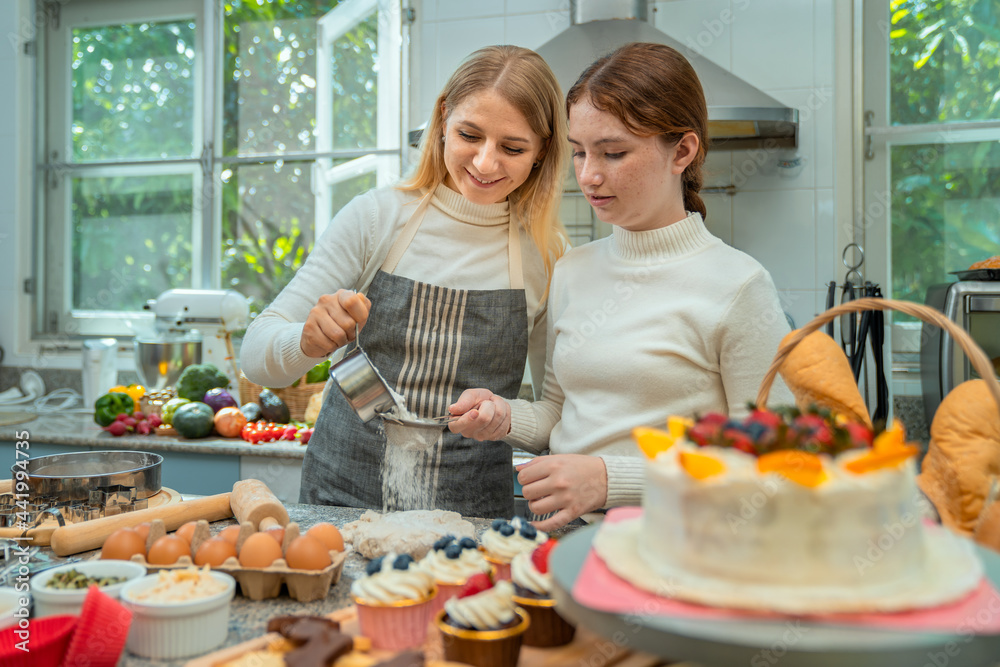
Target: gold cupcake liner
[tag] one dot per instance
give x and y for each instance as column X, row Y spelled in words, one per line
column 486, row 648
column 548, row 627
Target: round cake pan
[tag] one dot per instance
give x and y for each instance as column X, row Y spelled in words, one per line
column 71, row 477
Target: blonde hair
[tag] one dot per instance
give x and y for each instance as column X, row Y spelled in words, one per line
column 524, row 79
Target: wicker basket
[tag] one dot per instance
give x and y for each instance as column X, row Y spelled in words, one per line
column 977, row 357
column 296, row 398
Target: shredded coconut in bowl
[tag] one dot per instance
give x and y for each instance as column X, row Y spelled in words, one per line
column 175, row 586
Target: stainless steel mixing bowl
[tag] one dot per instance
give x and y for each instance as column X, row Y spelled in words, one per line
column 160, row 360
column 71, row 477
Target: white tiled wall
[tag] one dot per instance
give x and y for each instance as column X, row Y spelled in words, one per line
column 782, row 215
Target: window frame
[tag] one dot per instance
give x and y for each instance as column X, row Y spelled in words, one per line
column 873, row 222
column 55, row 327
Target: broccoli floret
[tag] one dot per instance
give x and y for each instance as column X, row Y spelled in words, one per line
column 197, row 379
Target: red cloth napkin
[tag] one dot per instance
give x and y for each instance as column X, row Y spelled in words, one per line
column 598, row 588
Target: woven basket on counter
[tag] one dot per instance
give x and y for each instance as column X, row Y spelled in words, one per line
column 296, row 398
column 977, row 357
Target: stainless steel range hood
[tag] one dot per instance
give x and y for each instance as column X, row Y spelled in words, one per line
column 740, row 116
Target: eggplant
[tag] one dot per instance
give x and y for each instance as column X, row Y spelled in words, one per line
column 251, row 411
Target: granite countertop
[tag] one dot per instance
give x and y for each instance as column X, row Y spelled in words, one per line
column 248, row 619
column 79, row 429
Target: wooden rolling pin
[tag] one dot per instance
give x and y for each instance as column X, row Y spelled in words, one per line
column 253, row 501
column 87, row 535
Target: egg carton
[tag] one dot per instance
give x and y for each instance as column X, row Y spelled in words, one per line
column 257, row 583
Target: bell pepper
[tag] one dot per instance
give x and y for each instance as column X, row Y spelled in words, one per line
column 110, row 405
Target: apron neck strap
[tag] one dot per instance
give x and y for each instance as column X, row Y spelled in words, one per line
column 409, row 230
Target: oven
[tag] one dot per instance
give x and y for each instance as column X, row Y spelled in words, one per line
column 974, row 305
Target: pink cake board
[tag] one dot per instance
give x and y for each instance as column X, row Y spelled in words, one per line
column 598, row 588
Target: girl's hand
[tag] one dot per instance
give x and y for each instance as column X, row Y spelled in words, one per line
column 332, row 322
column 482, row 415
column 568, row 484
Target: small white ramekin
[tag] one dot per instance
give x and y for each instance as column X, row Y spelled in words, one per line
column 164, row 631
column 10, row 602
column 54, row 601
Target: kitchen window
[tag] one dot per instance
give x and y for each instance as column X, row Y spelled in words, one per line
column 932, row 145
column 202, row 144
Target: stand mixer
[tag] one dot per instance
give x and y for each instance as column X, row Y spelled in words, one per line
column 214, row 314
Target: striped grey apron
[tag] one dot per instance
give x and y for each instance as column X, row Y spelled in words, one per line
column 430, row 343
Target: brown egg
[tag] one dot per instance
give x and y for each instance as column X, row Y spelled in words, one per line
column 123, row 544
column 259, row 550
column 277, row 532
column 328, row 534
column 230, row 533
column 214, row 552
column 186, row 532
column 307, row 553
column 143, row 529
column 167, row 549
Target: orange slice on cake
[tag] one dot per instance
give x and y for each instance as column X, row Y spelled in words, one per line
column 888, row 451
column 652, row 441
column 701, row 466
column 804, row 468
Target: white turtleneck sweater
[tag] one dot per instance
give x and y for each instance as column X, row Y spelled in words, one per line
column 459, row 245
column 643, row 325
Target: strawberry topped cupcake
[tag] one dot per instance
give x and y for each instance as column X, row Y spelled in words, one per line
column 533, row 591
column 394, row 602
column 483, row 626
column 451, row 562
column 505, row 539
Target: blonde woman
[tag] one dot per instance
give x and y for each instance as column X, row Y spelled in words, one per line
column 446, row 274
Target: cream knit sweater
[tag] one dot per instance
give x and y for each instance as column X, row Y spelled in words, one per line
column 643, row 325
column 459, row 245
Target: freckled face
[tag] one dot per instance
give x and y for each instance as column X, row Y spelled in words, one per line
column 489, row 148
column 631, row 181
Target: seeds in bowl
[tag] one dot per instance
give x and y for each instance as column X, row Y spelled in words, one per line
column 74, row 579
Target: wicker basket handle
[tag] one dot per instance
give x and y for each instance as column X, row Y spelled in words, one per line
column 977, row 357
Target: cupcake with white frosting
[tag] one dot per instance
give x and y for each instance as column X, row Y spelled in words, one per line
column 533, row 592
column 506, row 539
column 483, row 626
column 394, row 601
column 451, row 562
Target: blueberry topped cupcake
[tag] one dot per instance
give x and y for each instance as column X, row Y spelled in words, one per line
column 453, row 561
column 506, row 539
column 394, row 602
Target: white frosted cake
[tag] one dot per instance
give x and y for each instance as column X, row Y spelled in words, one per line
column 803, row 515
column 748, row 526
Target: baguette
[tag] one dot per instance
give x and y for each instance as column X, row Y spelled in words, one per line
column 818, row 373
column 963, row 456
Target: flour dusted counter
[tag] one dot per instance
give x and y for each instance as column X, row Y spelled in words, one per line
column 203, row 467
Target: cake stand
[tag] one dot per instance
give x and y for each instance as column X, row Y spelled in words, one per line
column 766, row 643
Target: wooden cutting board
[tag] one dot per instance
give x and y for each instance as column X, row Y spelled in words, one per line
column 586, row 648
column 42, row 534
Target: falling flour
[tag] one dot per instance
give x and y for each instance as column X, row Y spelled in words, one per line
column 407, row 478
